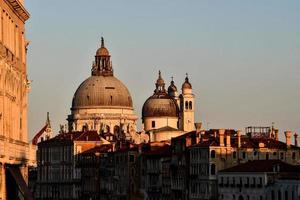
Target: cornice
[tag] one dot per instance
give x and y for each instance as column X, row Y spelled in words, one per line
column 19, row 9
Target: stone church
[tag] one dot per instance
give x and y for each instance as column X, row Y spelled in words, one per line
column 104, row 104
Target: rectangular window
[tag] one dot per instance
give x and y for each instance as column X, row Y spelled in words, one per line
column 153, row 124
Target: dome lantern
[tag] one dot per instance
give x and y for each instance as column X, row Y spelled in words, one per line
column 102, row 65
column 186, row 84
column 160, row 85
column 172, row 89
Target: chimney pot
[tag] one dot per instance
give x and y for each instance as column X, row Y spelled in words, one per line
column 288, row 135
column 296, row 139
column 239, row 133
column 221, row 135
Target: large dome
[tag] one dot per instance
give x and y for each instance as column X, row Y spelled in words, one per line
column 102, row 91
column 160, row 106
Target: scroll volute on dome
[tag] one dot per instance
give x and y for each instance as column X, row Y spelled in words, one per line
column 102, row 65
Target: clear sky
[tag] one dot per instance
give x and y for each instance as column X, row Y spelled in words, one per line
column 242, row 57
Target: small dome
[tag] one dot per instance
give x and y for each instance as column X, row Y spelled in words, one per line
column 186, row 84
column 160, row 106
column 102, row 91
column 102, row 51
column 172, row 88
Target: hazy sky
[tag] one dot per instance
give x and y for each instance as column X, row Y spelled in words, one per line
column 243, row 57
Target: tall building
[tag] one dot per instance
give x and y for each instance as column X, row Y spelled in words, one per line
column 14, row 86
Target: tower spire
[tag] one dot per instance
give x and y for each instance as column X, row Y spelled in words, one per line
column 48, row 120
column 102, row 42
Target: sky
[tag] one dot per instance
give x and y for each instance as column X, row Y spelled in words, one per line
column 242, row 57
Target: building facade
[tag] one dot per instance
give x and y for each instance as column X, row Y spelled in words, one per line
column 260, row 180
column 14, row 87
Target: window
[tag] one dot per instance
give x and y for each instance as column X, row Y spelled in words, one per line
column 279, row 195
column 255, row 153
column 186, row 105
column 286, row 195
column 213, row 169
column 294, row 156
column 281, row 156
column 153, row 124
column 213, row 154
column 244, row 155
column 267, row 156
column 273, row 194
column 190, row 105
column 234, row 155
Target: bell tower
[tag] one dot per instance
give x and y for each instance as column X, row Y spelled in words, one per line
column 187, row 107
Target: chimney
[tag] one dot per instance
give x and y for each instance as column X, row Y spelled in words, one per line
column 288, row 135
column 296, row 139
column 198, row 132
column 228, row 141
column 276, row 134
column 239, row 133
column 221, row 135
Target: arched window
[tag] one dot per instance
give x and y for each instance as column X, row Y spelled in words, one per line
column 213, row 154
column 213, row 169
column 190, row 105
column 186, row 105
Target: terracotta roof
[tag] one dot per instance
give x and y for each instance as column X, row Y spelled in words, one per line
column 263, row 166
column 98, row 149
column 36, row 137
column 78, row 136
